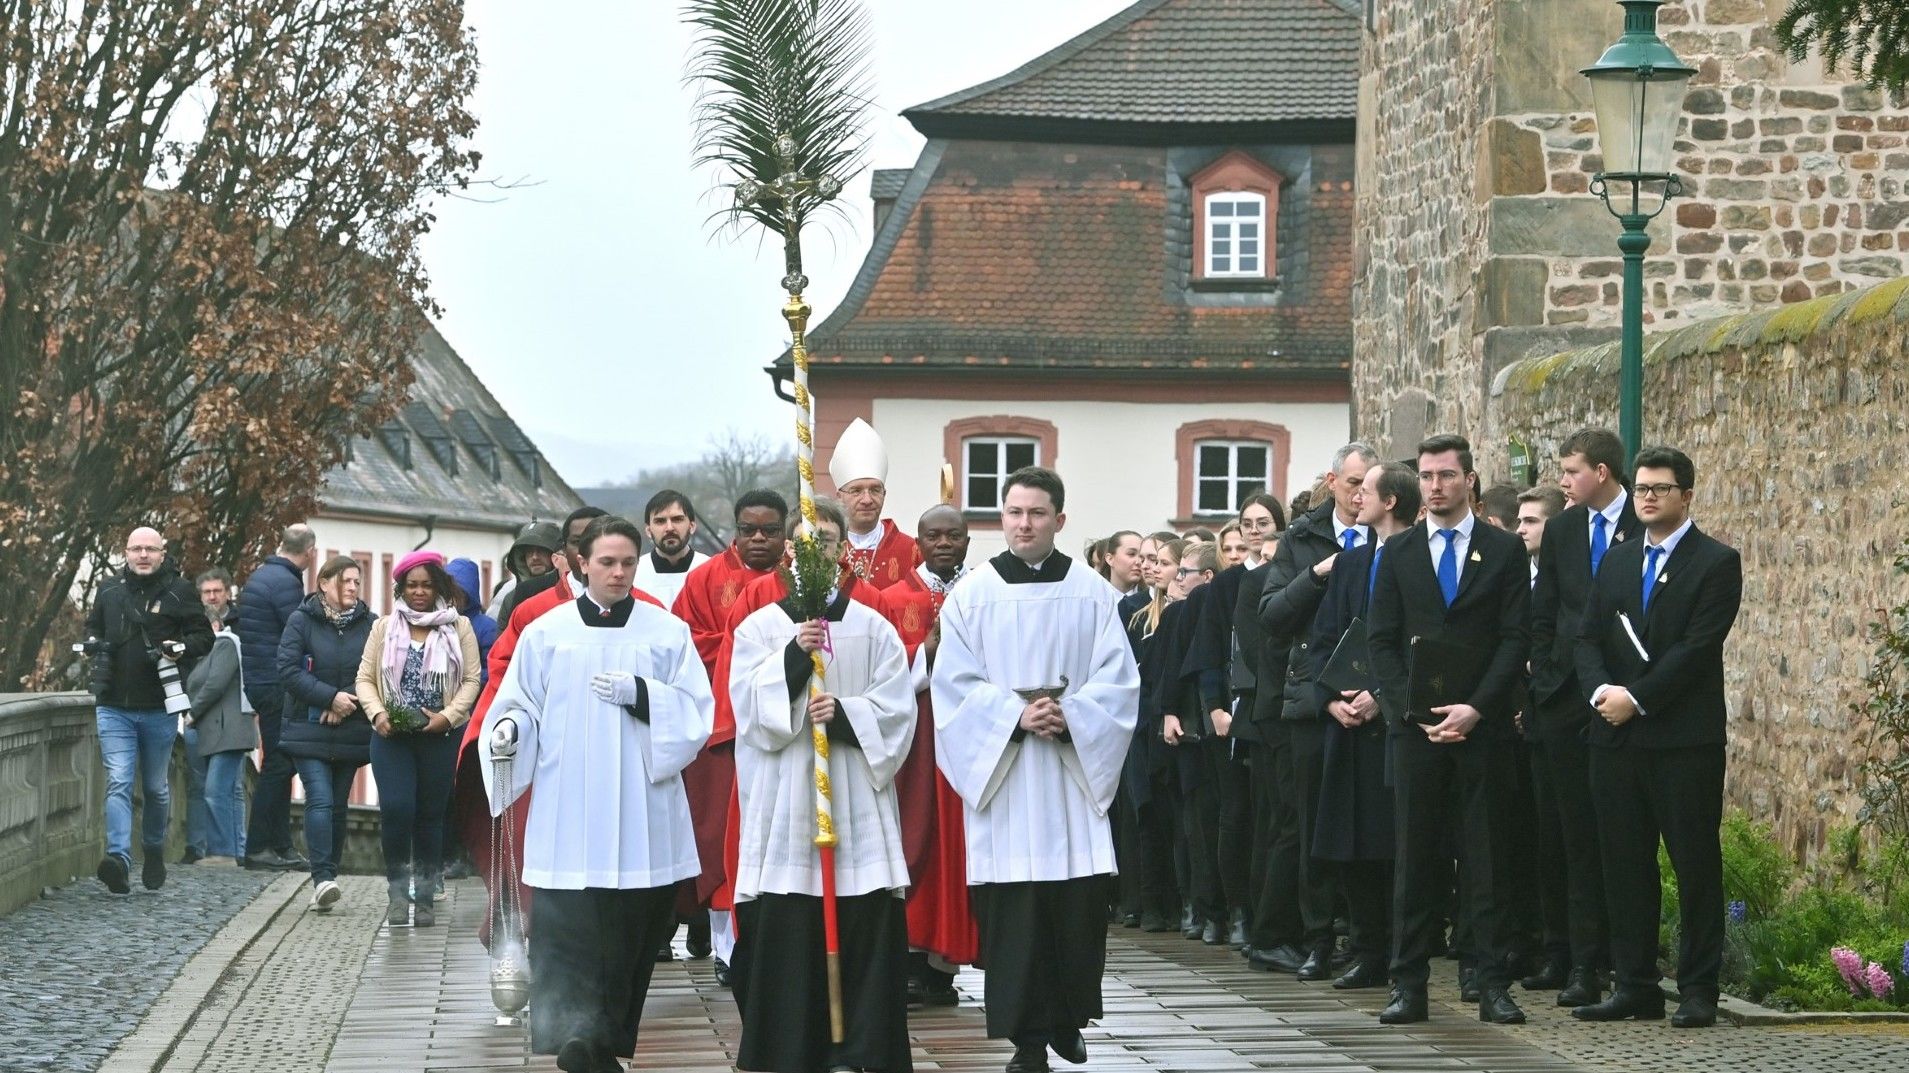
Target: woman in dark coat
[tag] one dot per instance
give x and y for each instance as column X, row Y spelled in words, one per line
column 326, row 732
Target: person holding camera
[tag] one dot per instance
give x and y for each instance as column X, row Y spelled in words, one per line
column 326, row 733
column 144, row 633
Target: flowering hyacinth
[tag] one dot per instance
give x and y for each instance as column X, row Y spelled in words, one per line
column 1878, row 979
column 1905, row 957
column 1738, row 912
column 1850, row 965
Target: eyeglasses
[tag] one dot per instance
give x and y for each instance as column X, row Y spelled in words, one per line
column 1657, row 491
column 149, row 549
column 1185, row 570
column 747, row 530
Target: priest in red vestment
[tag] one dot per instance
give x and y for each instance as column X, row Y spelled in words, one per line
column 877, row 550
column 941, row 929
column 469, row 806
column 710, row 594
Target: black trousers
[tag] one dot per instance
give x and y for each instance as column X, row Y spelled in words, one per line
column 1368, row 892
column 269, row 827
column 1678, row 794
column 1156, row 826
column 1274, row 920
column 1525, row 917
column 1200, row 830
column 1045, row 949
column 1547, row 859
column 782, row 989
column 1318, row 884
column 1427, row 776
column 1232, row 783
column 1566, row 768
column 591, row 956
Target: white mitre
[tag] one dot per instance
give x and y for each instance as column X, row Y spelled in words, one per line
column 859, row 454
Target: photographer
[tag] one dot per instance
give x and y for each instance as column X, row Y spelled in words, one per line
column 146, row 620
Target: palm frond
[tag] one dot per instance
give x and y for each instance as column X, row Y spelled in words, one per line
column 766, row 69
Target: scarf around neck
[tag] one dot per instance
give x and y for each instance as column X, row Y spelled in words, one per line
column 442, row 654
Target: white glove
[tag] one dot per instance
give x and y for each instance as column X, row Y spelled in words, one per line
column 614, row 687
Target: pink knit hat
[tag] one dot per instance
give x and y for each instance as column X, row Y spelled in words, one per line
column 415, row 559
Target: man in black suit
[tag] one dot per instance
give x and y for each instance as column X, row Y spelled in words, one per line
column 1460, row 581
column 1573, row 550
column 1650, row 660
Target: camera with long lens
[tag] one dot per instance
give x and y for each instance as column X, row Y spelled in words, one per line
column 170, row 680
column 99, row 651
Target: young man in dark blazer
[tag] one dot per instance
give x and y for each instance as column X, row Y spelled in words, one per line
column 1576, row 543
column 1453, row 579
column 1650, row 661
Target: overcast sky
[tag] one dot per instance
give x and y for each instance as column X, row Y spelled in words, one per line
column 592, row 299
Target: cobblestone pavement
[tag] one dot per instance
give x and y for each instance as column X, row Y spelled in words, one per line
column 281, row 989
column 82, row 965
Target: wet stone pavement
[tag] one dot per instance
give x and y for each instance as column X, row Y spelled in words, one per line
column 80, row 967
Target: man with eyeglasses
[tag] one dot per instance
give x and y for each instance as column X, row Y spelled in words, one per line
column 1463, row 586
column 1570, row 556
column 1297, row 898
column 710, row 595
column 1650, row 661
column 146, row 614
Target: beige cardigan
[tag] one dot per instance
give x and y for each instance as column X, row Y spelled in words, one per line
column 457, row 708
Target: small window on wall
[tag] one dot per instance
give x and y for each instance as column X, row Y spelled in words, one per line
column 987, row 461
column 1227, row 471
column 1236, row 236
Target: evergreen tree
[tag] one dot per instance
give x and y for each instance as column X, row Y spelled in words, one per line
column 1867, row 37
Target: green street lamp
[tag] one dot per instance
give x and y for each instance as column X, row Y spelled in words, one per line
column 1637, row 88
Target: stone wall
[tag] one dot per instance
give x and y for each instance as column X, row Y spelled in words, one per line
column 1481, row 243
column 1798, row 420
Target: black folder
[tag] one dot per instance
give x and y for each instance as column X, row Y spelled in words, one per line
column 1442, row 672
column 1349, row 668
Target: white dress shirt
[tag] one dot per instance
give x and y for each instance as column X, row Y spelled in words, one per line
column 1463, row 540
column 1339, row 530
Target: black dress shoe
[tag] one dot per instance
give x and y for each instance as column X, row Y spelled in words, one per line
column 1362, row 974
column 1497, row 1008
column 113, row 872
column 1583, row 989
column 1192, row 929
column 665, row 953
column 1468, row 984
column 1317, row 966
column 1553, row 976
column 1695, row 1011
column 1028, row 1059
column 1236, row 933
column 1155, row 922
column 1130, row 920
column 1407, row 1007
column 191, row 856
column 938, row 989
column 576, row 1056
column 1279, row 959
column 1210, row 935
column 722, row 973
column 1070, row 1046
column 1624, row 1004
column 153, row 873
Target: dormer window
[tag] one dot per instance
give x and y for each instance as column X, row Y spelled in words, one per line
column 1235, row 207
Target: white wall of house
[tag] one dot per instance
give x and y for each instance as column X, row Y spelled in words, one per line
column 1118, row 458
column 374, row 539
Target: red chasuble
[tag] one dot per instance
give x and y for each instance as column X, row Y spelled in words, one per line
column 469, row 807
column 760, row 594
column 939, row 919
column 709, row 594
column 893, row 559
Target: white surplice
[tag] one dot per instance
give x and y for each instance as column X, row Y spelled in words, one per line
column 866, row 668
column 666, row 587
column 608, row 808
column 1036, row 810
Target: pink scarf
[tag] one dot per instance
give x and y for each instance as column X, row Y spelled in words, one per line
column 442, row 653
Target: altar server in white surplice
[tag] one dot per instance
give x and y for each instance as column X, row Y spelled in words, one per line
column 867, row 709
column 608, row 702
column 1036, row 695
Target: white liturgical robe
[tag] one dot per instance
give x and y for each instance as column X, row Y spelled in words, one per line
column 1036, row 808
column 666, row 586
column 608, row 808
column 866, row 668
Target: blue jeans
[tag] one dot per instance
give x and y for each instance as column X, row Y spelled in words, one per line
column 414, row 791
column 225, row 803
column 327, row 802
column 197, row 817
column 141, row 738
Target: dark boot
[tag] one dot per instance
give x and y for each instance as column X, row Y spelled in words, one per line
column 1552, row 976
column 1407, row 1007
column 398, row 912
column 698, row 942
column 153, row 873
column 113, row 873
column 1582, row 989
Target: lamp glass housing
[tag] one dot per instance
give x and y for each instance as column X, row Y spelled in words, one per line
column 1637, row 113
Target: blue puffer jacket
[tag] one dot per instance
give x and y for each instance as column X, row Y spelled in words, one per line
column 464, row 572
column 316, row 660
column 266, row 604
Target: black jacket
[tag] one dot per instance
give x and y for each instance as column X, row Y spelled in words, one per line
column 266, row 604
column 1494, row 594
column 134, row 615
column 1693, row 607
column 1288, row 602
column 1557, row 607
column 317, row 660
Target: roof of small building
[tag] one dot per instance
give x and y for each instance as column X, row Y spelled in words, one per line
column 1182, row 62
column 451, row 454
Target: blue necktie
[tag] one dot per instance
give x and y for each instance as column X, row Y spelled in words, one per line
column 1350, row 538
column 1448, row 566
column 1599, row 542
column 1372, row 576
column 1650, row 572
